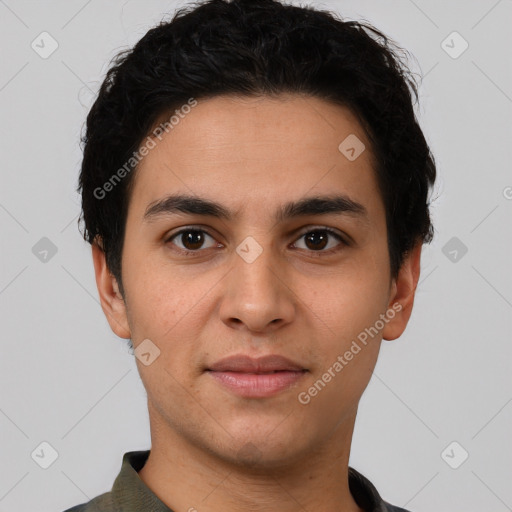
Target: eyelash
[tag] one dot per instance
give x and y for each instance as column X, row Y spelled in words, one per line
column 343, row 242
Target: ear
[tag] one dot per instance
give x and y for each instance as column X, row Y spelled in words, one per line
column 111, row 300
column 403, row 289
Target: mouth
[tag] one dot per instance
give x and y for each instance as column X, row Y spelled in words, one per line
column 256, row 378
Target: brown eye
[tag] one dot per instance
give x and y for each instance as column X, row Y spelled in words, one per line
column 319, row 239
column 316, row 240
column 190, row 239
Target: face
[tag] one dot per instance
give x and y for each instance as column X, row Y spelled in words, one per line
column 289, row 259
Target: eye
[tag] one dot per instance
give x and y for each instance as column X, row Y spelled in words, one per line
column 317, row 240
column 191, row 240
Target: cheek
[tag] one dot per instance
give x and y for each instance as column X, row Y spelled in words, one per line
column 345, row 311
column 158, row 297
column 349, row 300
column 169, row 310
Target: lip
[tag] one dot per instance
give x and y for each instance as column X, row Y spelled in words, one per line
column 246, row 364
column 256, row 377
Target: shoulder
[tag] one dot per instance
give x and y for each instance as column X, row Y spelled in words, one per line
column 387, row 507
column 102, row 503
column 367, row 496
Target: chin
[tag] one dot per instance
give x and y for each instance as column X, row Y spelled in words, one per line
column 264, row 450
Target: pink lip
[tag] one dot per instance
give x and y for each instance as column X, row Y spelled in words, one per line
column 252, row 378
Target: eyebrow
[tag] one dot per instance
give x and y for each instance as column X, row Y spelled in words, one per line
column 193, row 205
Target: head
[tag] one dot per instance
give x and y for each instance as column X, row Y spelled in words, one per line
column 267, row 124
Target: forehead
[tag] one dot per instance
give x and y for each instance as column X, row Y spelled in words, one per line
column 245, row 151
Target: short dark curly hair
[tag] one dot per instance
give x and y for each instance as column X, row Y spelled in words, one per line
column 256, row 48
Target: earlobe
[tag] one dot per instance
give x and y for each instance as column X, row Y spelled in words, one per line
column 111, row 300
column 402, row 294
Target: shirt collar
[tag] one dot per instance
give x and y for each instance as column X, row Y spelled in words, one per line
column 131, row 494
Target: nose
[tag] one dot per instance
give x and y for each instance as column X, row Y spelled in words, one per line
column 257, row 296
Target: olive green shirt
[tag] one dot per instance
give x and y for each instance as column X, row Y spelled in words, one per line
column 130, row 494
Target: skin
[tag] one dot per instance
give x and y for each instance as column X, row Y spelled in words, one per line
column 211, row 449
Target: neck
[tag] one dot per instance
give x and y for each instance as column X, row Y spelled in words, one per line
column 188, row 478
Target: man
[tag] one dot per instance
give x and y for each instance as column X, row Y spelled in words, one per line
column 255, row 189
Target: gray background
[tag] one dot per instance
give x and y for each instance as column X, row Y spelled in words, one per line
column 67, row 380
